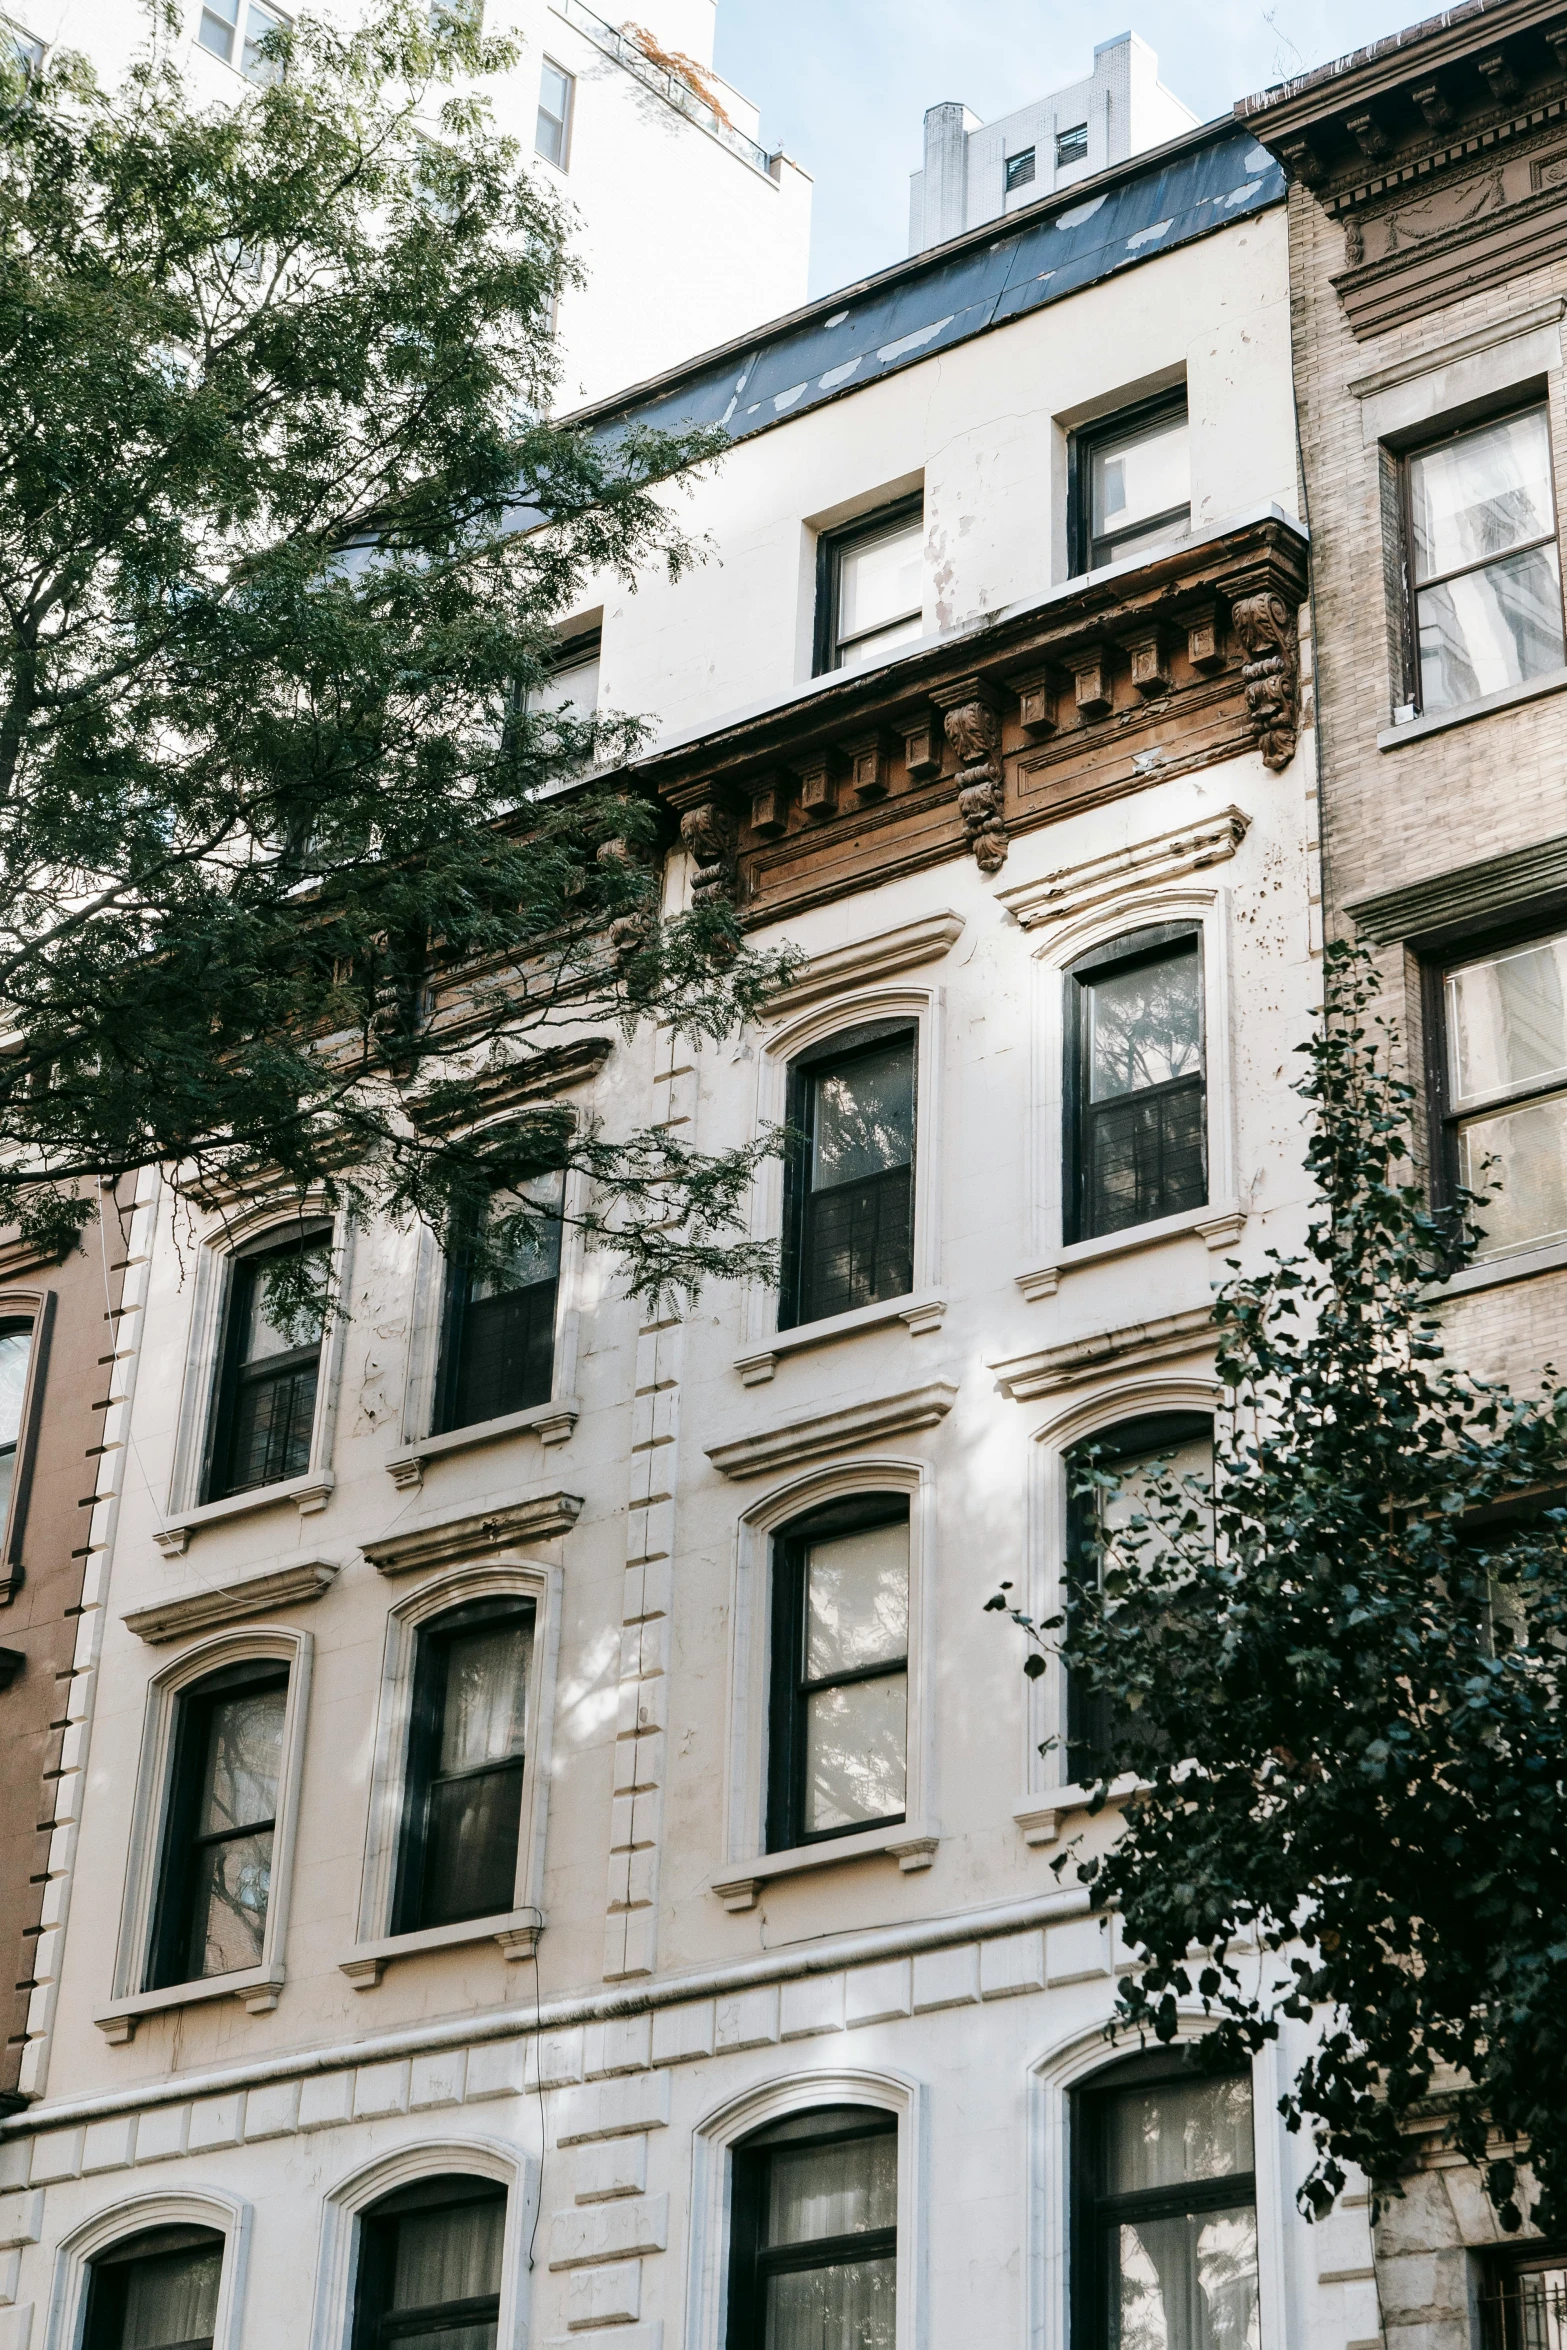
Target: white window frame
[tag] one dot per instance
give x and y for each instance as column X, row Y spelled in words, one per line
column 220, row 1250
column 37, row 1306
column 567, row 127
column 924, row 1008
column 345, row 2205
column 516, row 1929
column 131, row 2215
column 713, row 2142
column 257, row 1987
column 750, row 1674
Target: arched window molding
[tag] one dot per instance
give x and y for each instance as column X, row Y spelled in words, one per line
column 36, row 1306
column 923, row 1307
column 131, row 2215
column 517, row 1930
column 258, row 1987
column 220, row 1248
column 1045, row 1775
column 344, row 2207
column 745, row 1806
column 712, row 2146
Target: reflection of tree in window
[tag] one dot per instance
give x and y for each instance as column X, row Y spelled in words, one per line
column 838, row 1733
column 498, row 1338
column 216, row 1879
column 1138, row 1141
column 850, row 1209
column 1488, row 610
column 272, row 1363
column 16, row 1346
column 1506, row 1018
column 466, row 1761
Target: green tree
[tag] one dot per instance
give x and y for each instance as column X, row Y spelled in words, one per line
column 1339, row 1681
column 290, row 891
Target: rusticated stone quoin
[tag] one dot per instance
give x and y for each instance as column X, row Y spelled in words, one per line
column 974, row 731
column 708, row 832
column 1270, row 638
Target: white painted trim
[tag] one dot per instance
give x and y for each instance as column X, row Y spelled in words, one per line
column 128, row 2215
column 864, row 962
column 344, row 2206
column 712, row 2146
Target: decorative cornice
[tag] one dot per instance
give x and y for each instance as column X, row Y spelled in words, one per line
column 1076, row 889
column 1464, row 894
column 1051, row 1368
column 822, row 1433
column 231, row 1603
column 865, row 960
column 452, row 1540
column 29, row 1256
column 494, row 1091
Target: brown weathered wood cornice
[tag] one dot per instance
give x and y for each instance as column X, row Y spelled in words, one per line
column 1088, row 694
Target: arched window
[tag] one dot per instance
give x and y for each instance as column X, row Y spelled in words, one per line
column 1170, row 1445
column 16, row 1350
column 1136, row 1138
column 429, row 2273
column 849, row 1183
column 155, row 2291
column 467, row 1755
column 215, row 1872
column 1164, row 2209
column 268, row 1371
column 838, row 1726
column 498, row 1329
column 814, row 2242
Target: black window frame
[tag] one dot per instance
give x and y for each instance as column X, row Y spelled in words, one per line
column 535, row 1302
column 1500, row 2311
column 1013, row 174
column 831, row 547
column 1125, row 952
column 561, row 163
column 410, row 1891
column 1095, row 2213
column 751, row 2261
column 169, row 1961
column 1405, row 451
column 108, row 2280
column 246, row 1268
column 788, row 1690
column 1064, row 139
column 799, row 1278
column 39, row 1325
column 376, row 2326
column 1160, row 408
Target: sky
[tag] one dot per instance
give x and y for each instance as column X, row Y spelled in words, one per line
column 843, row 84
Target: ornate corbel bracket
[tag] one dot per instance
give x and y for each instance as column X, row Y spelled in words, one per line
column 708, row 832
column 972, row 718
column 1266, row 623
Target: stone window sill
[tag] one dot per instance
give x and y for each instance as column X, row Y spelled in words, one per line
column 918, row 1314
column 1215, row 1226
column 1417, row 729
column 910, row 1844
column 517, row 1931
column 1495, row 1271
column 1040, row 1816
column 256, row 1987
column 308, row 1493
column 551, row 1422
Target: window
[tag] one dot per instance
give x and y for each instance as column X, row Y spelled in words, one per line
column 1136, row 1110
column 1504, row 1090
column 220, row 25
column 813, row 2259
column 1523, row 2302
column 215, row 1877
column 1172, row 1445
column 269, row 1371
column 871, row 588
column 552, row 137
column 1020, row 170
column 16, row 1353
column 573, row 681
column 1131, row 484
column 498, row 1337
column 838, row 1721
column 1072, row 146
column 1482, row 559
column 23, row 52
column 1164, row 2210
column 462, row 1806
column 155, row 2291
column 430, row 2267
column 849, row 1182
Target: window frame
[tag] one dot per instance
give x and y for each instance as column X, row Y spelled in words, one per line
column 1060, row 138
column 173, row 1920
column 429, row 2157
column 37, row 1309
column 456, row 1304
column 831, row 546
column 375, row 2257
column 1404, row 454
column 96, row 2323
column 139, row 2214
column 788, row 1690
column 228, row 1372
column 751, row 2263
column 1011, row 186
column 803, row 1070
column 1125, row 949
column 1083, row 442
column 561, row 164
column 281, row 22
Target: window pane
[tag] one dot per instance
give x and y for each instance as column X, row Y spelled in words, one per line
column 1174, row 1462
column 534, row 1254
column 864, row 1121
column 171, row 2298
column 867, row 650
column 1020, row 170
column 244, row 1753
column 233, row 1884
column 859, row 1244
column 1188, row 2283
column 1146, row 1157
column 1144, row 1026
column 483, row 1717
column 851, row 2307
column 1489, row 629
column 855, row 1742
column 554, row 100
column 881, row 579
column 508, row 1354
column 1072, row 145
column 471, row 1846
column 216, row 29
column 273, row 1419
column 1481, row 495
column 1132, row 479
column 451, row 2254
column 573, row 687
column 856, row 1601
column 261, row 1336
column 1529, row 1148
column 16, row 1346
column 1542, row 2308
column 1175, row 2131
column 258, row 23
column 819, row 2191
column 1507, row 1020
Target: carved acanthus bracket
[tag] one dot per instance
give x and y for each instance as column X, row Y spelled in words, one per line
column 1270, row 639
column 973, row 727
column 708, row 832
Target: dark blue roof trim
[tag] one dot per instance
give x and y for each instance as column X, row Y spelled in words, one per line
column 962, row 290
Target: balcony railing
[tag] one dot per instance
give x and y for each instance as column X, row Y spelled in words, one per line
column 670, row 87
